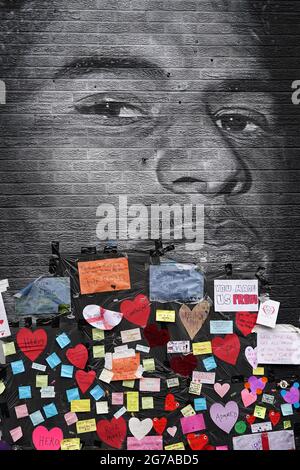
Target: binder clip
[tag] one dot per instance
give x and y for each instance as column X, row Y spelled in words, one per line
column 228, row 269
column 160, row 250
column 111, row 247
column 260, row 275
column 88, row 250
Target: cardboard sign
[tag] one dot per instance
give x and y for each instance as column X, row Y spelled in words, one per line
column 236, row 295
column 279, row 345
column 104, row 275
column 126, row 368
column 276, row 440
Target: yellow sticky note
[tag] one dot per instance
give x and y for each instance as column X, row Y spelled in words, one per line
column 287, row 424
column 128, row 383
column 9, row 349
column 165, row 315
column 177, row 446
column 260, row 412
column 70, row 444
column 98, row 351
column 188, row 411
column 2, row 387
column 41, row 381
column 149, row 364
column 258, row 371
column 147, row 403
column 133, row 401
column 88, row 425
column 97, row 335
column 80, row 406
column 202, row 348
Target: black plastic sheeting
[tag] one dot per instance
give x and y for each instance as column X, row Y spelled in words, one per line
column 79, row 331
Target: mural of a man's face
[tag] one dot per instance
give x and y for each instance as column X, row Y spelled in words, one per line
column 162, row 101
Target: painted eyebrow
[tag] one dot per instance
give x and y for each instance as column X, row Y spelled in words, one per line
column 88, row 65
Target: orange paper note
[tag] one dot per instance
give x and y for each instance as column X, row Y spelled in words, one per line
column 104, row 275
column 126, row 367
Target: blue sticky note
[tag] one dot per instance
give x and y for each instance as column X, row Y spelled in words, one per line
column 200, row 404
column 50, row 410
column 63, row 340
column 220, row 327
column 72, row 394
column 36, row 418
column 97, row 392
column 209, row 363
column 286, row 409
column 176, row 282
column 66, row 371
column 24, row 392
column 17, row 367
column 53, row 360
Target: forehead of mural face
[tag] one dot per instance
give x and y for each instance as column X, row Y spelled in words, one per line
column 164, row 102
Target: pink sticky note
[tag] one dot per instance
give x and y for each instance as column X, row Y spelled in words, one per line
column 117, row 398
column 149, row 384
column 21, row 411
column 147, row 443
column 192, row 423
column 71, row 418
column 221, row 447
column 16, row 433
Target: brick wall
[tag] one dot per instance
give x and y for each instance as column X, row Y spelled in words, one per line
column 188, row 74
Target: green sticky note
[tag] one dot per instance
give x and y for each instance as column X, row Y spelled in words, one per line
column 41, row 381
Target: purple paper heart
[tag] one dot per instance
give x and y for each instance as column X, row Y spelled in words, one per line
column 256, row 384
column 292, row 396
column 226, row 416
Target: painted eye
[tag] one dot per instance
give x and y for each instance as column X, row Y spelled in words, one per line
column 240, row 121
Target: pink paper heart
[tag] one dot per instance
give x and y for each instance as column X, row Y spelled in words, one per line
column 172, row 430
column 47, row 440
column 251, row 356
column 248, row 397
column 221, row 389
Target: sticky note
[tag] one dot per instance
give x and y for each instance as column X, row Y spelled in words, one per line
column 202, row 348
column 120, row 412
column 47, row 392
column 21, row 411
column 97, row 335
column 166, row 315
column 287, row 424
column 101, row 407
column 286, row 409
column 36, row 418
column 147, row 403
column 98, row 351
column 50, row 410
column 63, row 340
column 41, row 381
column 176, row 446
column 209, row 363
column 258, row 371
column 142, row 348
column 128, row 336
column 39, row 367
column 132, row 401
column 260, row 412
column 66, row 371
column 53, row 360
column 106, row 376
column 221, row 327
column 72, row 394
column 97, row 392
column 174, row 382
column 16, row 433
column 128, row 383
column 72, row 443
column 117, row 398
column 87, row 425
column 268, row 399
column 149, row 365
column 188, row 411
column 17, row 367
column 8, row 349
column 190, row 424
column 24, row 392
column 70, row 418
column 81, row 406
column 195, row 388
column 200, row 404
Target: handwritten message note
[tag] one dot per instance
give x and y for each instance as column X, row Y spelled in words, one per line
column 104, row 275
column 147, row 443
column 236, row 295
column 279, row 345
column 126, row 368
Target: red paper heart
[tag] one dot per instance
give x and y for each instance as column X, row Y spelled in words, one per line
column 274, row 417
column 136, row 311
column 156, row 337
column 250, row 419
column 32, row 343
column 227, row 349
column 112, row 432
column 245, row 322
column 78, row 356
column 197, row 441
column 85, row 379
column 184, row 365
column 160, row 424
column 170, row 403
